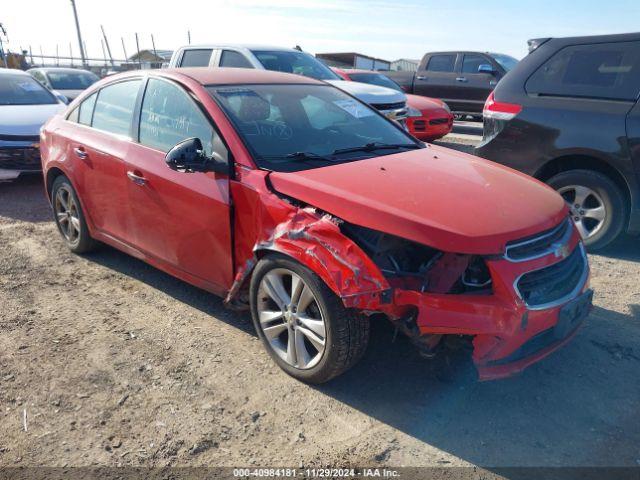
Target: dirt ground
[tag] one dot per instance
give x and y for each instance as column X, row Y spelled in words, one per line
column 115, row 363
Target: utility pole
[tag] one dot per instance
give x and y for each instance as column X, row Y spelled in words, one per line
column 189, row 37
column 124, row 49
column 2, row 56
column 106, row 42
column 80, row 44
column 138, row 50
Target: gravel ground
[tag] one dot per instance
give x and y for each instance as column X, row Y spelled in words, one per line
column 115, row 363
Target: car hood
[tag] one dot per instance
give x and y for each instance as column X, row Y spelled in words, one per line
column 435, row 196
column 371, row 94
column 424, row 103
column 26, row 119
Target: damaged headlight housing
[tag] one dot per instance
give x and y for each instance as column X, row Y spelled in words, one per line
column 412, row 266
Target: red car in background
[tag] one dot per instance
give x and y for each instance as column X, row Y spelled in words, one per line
column 428, row 118
column 287, row 196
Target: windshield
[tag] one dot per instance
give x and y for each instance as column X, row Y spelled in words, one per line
column 71, row 80
column 374, row 79
column 298, row 127
column 16, row 89
column 300, row 63
column 507, row 62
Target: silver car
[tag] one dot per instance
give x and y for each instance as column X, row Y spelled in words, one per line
column 64, row 81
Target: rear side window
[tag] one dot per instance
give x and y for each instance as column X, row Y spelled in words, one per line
column 169, row 116
column 234, row 59
column 114, row 108
column 86, row 110
column 471, row 62
column 604, row 70
column 441, row 63
column 196, row 58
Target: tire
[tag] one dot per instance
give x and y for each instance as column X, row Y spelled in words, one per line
column 346, row 331
column 573, row 185
column 80, row 241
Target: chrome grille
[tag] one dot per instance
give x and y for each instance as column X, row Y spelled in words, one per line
column 539, row 245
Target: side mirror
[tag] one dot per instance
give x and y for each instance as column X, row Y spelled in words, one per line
column 61, row 97
column 188, row 156
column 486, row 68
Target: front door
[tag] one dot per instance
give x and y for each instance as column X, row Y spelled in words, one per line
column 438, row 80
column 475, row 86
column 180, row 219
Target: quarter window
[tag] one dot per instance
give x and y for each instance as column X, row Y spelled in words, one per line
column 196, row 57
column 604, row 70
column 86, row 110
column 234, row 59
column 170, row 116
column 113, row 111
column 441, row 63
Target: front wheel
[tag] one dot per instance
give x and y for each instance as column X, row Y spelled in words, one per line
column 303, row 325
column 597, row 205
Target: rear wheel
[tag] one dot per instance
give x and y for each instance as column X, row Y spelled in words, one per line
column 69, row 217
column 597, row 205
column 303, row 325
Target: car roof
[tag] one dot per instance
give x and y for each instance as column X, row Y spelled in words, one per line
column 241, row 46
column 615, row 37
column 227, row 76
column 59, row 69
column 13, row 71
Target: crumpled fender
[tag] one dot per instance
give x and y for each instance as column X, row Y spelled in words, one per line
column 309, row 237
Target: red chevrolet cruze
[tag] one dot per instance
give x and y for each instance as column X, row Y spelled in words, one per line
column 289, row 196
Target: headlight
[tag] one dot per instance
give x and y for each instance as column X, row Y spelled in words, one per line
column 413, row 112
column 446, row 107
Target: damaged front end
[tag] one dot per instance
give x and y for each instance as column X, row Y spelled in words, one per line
column 428, row 294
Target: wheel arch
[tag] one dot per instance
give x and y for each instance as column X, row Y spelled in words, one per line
column 52, row 174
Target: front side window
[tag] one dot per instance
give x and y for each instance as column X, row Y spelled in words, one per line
column 471, row 62
column 17, row 89
column 300, row 63
column 234, row 59
column 441, row 63
column 196, row 57
column 114, row 107
column 71, row 80
column 605, row 70
column 170, row 116
column 296, row 127
column 375, row 79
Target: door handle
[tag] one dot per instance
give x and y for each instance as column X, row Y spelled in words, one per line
column 421, row 77
column 137, row 179
column 461, row 79
column 80, row 153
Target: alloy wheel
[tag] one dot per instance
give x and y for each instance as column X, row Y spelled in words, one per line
column 67, row 214
column 587, row 208
column 290, row 318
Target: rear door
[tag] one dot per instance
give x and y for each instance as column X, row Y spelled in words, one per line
column 633, row 135
column 98, row 145
column 438, row 80
column 181, row 219
column 474, row 86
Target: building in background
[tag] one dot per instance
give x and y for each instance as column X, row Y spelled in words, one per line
column 151, row 58
column 405, row 65
column 353, row 60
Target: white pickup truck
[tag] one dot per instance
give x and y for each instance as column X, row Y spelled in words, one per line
column 387, row 101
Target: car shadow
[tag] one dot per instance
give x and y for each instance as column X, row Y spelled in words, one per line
column 564, row 411
column 577, row 407
column 177, row 289
column 625, row 247
column 24, row 200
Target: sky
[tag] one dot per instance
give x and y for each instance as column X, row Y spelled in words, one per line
column 381, row 28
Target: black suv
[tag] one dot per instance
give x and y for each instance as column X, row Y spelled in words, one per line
column 568, row 114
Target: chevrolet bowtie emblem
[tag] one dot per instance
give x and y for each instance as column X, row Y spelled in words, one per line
column 560, row 250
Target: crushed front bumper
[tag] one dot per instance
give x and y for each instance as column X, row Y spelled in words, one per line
column 19, row 157
column 508, row 332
